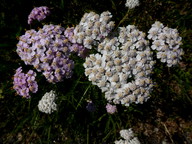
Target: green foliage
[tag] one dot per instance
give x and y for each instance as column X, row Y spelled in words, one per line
column 21, row 121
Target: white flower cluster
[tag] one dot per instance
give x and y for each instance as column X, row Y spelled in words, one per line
column 166, row 41
column 92, row 28
column 47, row 103
column 132, row 3
column 128, row 137
column 123, row 68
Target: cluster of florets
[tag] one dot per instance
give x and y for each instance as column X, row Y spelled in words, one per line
column 48, row 50
column 111, row 109
column 166, row 41
column 91, row 29
column 47, row 103
column 132, row 3
column 25, row 83
column 76, row 48
column 123, row 68
column 38, row 13
column 128, row 137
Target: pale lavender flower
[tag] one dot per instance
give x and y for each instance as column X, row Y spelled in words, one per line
column 111, row 109
column 48, row 50
column 38, row 13
column 69, row 32
column 32, row 84
column 25, row 83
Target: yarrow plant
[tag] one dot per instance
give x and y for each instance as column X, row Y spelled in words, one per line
column 25, row 83
column 132, row 3
column 124, row 62
column 111, row 109
column 92, row 29
column 166, row 41
column 128, row 137
column 123, row 68
column 47, row 103
column 38, row 13
column 48, row 50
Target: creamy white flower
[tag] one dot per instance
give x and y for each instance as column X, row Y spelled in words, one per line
column 110, row 25
column 47, row 103
column 135, row 140
column 94, row 28
column 157, row 44
column 120, row 141
column 128, row 137
column 80, row 37
column 158, row 25
column 167, row 43
column 121, row 59
column 127, row 134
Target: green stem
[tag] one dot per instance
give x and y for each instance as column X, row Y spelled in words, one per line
column 29, row 105
column 87, row 134
column 83, row 96
column 49, row 133
column 123, row 19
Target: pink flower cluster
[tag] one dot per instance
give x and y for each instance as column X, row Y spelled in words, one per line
column 25, row 83
column 38, row 13
column 111, row 109
column 49, row 50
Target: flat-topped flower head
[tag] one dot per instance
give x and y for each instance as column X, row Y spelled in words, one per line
column 25, row 83
column 132, row 3
column 38, row 13
column 128, row 137
column 48, row 50
column 121, row 58
column 111, row 109
column 166, row 42
column 47, row 103
column 91, row 29
column 127, row 134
